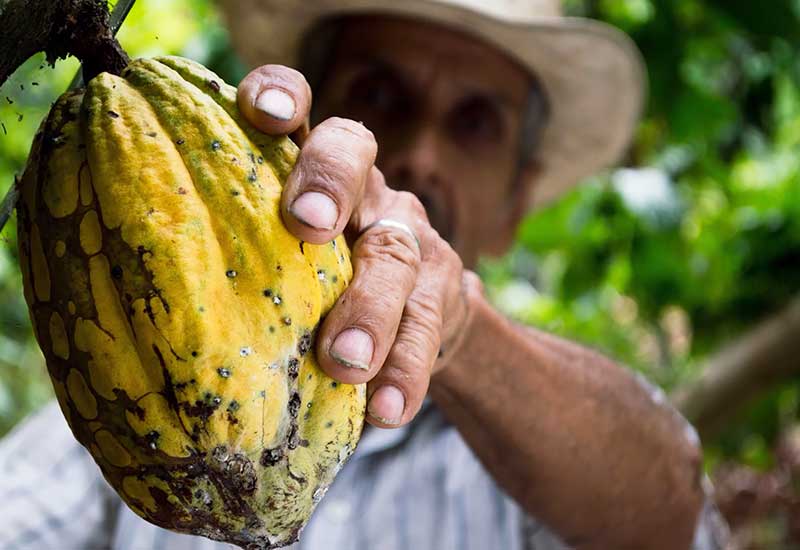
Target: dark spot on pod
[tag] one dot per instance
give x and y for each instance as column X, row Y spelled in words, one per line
column 329, row 424
column 194, row 354
column 152, row 439
column 34, row 83
column 294, row 439
column 252, row 176
column 262, row 393
column 321, row 274
column 301, row 247
column 294, row 367
column 223, row 372
column 215, row 145
column 231, row 273
column 151, row 134
column 112, row 114
column 19, row 117
column 260, row 160
column 204, row 408
column 201, row 309
column 182, row 190
column 304, row 344
column 294, row 405
column 233, row 406
column 179, row 386
column 10, row 101
column 116, row 272
column 271, row 329
column 307, row 415
column 236, row 468
column 214, row 85
column 335, row 278
column 287, row 321
column 304, row 443
column 310, row 376
column 278, row 267
column 334, row 384
column 204, row 497
column 268, row 293
column 180, row 142
column 251, row 156
column 235, row 193
column 270, row 457
column 309, row 404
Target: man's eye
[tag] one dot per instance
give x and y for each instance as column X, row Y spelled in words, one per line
column 374, row 93
column 477, row 120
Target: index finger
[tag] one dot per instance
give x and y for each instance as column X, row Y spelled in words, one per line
column 275, row 99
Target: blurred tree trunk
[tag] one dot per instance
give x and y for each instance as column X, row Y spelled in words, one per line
column 760, row 358
column 59, row 28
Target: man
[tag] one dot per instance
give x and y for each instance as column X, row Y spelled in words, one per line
column 479, row 109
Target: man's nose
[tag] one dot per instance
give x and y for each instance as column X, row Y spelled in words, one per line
column 413, row 165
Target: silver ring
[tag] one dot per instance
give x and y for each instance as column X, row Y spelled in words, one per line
column 394, row 224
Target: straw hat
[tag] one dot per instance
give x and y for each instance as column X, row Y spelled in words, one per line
column 592, row 73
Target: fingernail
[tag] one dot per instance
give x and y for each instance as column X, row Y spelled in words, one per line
column 353, row 348
column 276, row 103
column 387, row 405
column 316, row 210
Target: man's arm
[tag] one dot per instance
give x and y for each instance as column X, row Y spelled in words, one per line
column 573, row 437
column 578, row 441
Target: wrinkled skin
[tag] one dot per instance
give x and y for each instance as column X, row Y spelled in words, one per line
column 575, row 439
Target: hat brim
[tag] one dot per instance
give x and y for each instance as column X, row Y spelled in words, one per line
column 592, row 73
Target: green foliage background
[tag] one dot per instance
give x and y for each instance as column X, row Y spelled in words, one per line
column 657, row 265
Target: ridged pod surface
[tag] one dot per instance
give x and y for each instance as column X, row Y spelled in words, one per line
column 175, row 311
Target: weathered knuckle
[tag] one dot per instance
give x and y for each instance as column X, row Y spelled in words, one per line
column 411, row 204
column 351, row 129
column 425, row 304
column 445, row 255
column 413, row 349
column 365, row 298
column 390, row 245
column 328, row 172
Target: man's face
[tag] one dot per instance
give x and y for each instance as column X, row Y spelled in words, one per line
column 446, row 111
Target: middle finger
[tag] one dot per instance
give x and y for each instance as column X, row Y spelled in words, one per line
column 328, row 180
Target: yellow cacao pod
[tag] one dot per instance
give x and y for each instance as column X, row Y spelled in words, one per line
column 175, row 311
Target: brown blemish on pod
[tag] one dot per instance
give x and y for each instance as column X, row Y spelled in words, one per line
column 58, row 336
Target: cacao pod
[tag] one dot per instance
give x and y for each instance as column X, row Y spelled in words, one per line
column 175, row 311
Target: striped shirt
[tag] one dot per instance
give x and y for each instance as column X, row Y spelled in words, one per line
column 418, row 487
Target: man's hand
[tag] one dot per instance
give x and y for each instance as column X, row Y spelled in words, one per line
column 406, row 301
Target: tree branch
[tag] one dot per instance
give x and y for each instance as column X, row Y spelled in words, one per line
column 59, row 28
column 755, row 362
